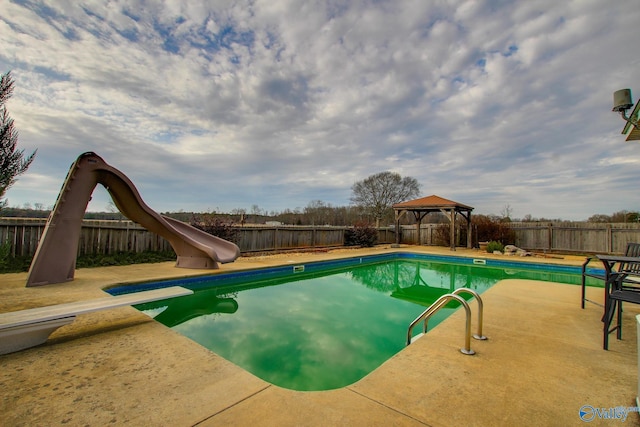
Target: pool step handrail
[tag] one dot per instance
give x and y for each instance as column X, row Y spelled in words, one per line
column 433, row 308
column 441, row 302
column 478, row 335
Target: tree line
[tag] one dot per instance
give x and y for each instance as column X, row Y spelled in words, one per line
column 316, row 212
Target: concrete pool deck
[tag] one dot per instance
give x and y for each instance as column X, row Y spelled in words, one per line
column 543, row 361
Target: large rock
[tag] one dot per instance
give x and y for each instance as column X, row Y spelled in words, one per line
column 514, row 250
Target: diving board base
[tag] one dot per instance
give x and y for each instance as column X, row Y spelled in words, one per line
column 27, row 328
column 21, row 337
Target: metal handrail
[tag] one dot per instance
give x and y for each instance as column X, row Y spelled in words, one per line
column 441, row 302
column 478, row 335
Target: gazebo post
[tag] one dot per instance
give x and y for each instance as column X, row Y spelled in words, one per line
column 469, row 236
column 452, row 229
column 398, row 215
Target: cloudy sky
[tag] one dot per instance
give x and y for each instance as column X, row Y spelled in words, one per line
column 220, row 105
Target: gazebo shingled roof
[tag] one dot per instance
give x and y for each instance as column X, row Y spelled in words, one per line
column 431, row 202
column 421, row 207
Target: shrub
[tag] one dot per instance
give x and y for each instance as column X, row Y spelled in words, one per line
column 495, row 246
column 489, row 229
column 5, row 250
column 123, row 258
column 442, row 234
column 361, row 234
column 21, row 263
column 216, row 226
column 10, row 263
column 15, row 264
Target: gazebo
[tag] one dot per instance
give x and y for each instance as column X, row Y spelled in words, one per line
column 421, row 207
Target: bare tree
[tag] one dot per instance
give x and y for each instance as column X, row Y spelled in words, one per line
column 506, row 213
column 379, row 192
column 12, row 162
column 255, row 210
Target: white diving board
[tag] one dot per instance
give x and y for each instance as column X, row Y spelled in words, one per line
column 27, row 328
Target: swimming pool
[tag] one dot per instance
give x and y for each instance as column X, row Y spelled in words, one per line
column 325, row 325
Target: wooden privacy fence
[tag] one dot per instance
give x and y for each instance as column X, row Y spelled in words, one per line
column 568, row 237
column 428, row 235
column 96, row 237
column 269, row 238
column 108, row 237
column 581, row 237
column 256, row 239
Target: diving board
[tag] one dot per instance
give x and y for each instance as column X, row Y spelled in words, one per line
column 27, row 328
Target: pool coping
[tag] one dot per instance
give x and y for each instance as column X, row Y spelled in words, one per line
column 120, row 367
column 323, row 265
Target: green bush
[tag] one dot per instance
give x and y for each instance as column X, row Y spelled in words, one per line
column 124, row 258
column 21, row 263
column 5, row 249
column 495, row 246
column 361, row 235
column 11, row 264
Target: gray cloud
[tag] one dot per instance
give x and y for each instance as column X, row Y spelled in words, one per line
column 210, row 106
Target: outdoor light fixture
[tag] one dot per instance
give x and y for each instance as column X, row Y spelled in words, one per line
column 621, row 103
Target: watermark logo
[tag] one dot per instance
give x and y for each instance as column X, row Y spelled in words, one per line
column 589, row 413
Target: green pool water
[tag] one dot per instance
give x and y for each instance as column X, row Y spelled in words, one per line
column 324, row 330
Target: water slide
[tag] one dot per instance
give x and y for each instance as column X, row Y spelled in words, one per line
column 55, row 257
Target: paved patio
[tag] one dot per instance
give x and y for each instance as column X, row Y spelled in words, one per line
column 543, row 361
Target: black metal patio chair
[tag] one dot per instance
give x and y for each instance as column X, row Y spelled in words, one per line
column 632, row 250
column 622, row 287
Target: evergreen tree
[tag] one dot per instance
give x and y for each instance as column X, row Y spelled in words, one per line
column 12, row 162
